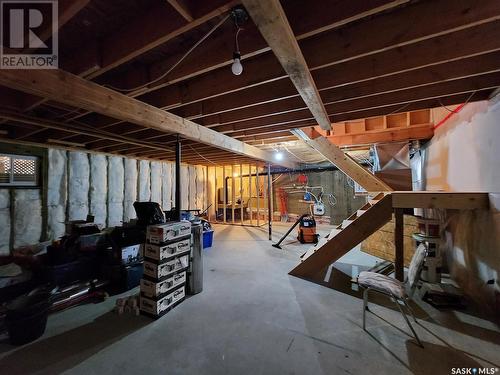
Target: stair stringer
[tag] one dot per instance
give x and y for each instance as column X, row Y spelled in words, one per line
column 332, row 248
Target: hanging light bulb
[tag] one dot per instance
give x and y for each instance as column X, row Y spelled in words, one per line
column 278, row 155
column 237, row 68
column 240, row 16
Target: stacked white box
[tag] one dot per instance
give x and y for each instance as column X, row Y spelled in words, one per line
column 167, row 254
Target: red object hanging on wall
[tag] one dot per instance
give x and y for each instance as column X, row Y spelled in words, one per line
column 302, row 179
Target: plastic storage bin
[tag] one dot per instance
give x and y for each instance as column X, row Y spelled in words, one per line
column 208, row 238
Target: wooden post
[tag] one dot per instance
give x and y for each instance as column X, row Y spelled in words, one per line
column 224, row 203
column 241, row 194
column 250, row 169
column 399, row 243
column 257, row 178
column 233, row 193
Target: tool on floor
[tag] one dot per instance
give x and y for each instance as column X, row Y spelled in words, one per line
column 306, row 232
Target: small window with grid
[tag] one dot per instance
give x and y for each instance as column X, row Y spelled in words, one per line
column 19, row 170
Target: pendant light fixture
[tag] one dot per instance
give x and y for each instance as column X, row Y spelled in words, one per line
column 239, row 16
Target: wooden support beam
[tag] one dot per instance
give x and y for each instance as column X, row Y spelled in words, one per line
column 271, row 20
column 445, row 200
column 182, row 8
column 344, row 162
column 75, row 129
column 67, row 88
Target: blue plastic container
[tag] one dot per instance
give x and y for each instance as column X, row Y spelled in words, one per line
column 208, row 238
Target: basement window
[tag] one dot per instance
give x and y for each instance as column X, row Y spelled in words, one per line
column 19, row 170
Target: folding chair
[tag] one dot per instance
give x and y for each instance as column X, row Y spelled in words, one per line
column 394, row 288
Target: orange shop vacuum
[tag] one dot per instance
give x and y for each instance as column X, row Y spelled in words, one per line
column 306, row 232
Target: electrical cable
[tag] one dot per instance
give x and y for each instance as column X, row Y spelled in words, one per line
column 210, row 161
column 455, row 110
column 176, row 64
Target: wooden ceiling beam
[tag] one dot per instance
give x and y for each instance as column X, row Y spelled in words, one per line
column 461, row 17
column 281, row 113
column 70, row 128
column 413, row 106
column 271, row 20
column 145, row 33
column 142, row 35
column 207, row 57
column 256, row 100
column 204, row 59
column 67, row 88
column 182, row 7
column 258, row 71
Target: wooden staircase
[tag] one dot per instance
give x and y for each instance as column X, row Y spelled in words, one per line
column 371, row 217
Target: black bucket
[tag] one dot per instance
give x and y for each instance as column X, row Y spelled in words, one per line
column 27, row 317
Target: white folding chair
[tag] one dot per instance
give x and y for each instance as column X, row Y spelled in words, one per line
column 394, row 288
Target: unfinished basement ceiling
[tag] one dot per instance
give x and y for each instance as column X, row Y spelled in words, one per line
column 397, row 69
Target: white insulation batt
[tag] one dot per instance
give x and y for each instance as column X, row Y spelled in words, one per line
column 27, row 217
column 130, row 189
column 156, row 182
column 98, row 188
column 57, row 193
column 166, row 186
column 78, row 186
column 5, row 221
column 115, row 190
column 192, row 187
column 200, row 187
column 184, row 187
column 144, row 181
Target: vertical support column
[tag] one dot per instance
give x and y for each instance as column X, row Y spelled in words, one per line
column 250, row 193
column 224, row 193
column 241, row 194
column 399, row 243
column 269, row 202
column 233, row 193
column 257, row 193
column 177, row 215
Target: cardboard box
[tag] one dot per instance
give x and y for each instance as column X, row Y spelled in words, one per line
column 161, row 233
column 162, row 270
column 158, row 307
column 156, row 290
column 131, row 254
column 162, row 252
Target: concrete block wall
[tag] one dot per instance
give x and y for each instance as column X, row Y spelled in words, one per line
column 334, row 182
column 81, row 183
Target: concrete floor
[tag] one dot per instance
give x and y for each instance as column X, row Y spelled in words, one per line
column 253, row 318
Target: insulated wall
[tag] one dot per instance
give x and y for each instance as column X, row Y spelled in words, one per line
column 463, row 156
column 5, row 220
column 57, row 192
column 81, row 184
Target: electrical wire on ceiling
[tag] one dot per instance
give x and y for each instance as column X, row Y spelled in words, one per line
column 302, row 160
column 200, row 155
column 176, row 64
column 454, row 110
